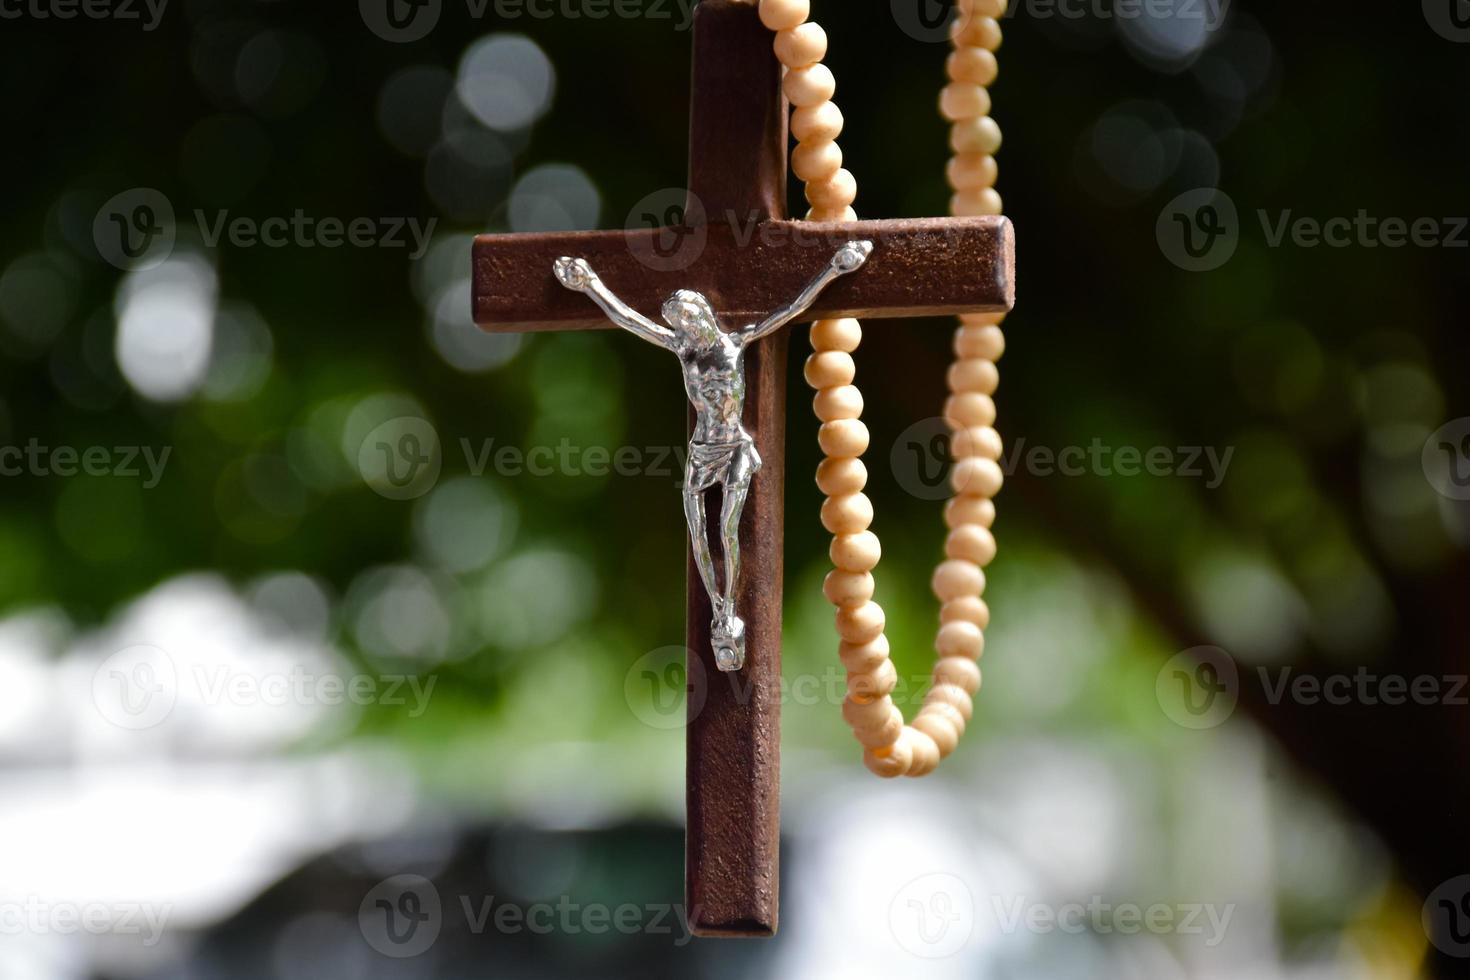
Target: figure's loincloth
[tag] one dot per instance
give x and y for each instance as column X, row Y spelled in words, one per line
column 714, row 462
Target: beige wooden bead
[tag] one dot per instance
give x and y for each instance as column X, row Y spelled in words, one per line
column 943, row 709
column 843, row 437
column 978, row 440
column 877, row 683
column 861, row 623
column 954, row 696
column 847, row 514
column 835, row 404
column 844, row 588
column 976, row 32
column 960, row 639
column 969, row 510
column 967, row 409
column 962, row 672
column 977, row 476
column 802, row 45
column 861, row 658
column 811, row 85
column 831, row 214
column 925, row 751
column 955, row 578
column 977, row 203
column 882, row 736
column 963, row 100
column 862, row 716
column 972, row 64
column 967, row 171
column 822, row 121
column 856, row 552
column 836, row 191
column 829, row 369
column 892, row 761
column 972, row 543
column 980, row 135
column 780, row 15
column 938, row 727
column 844, row 335
column 971, row 609
column 974, row 374
column 816, row 160
column 980, row 340
column 840, row 476
column 983, row 8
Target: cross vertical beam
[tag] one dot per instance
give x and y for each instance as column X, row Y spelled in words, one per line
column 737, row 172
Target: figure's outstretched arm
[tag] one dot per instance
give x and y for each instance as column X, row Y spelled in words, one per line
column 577, row 275
column 849, row 258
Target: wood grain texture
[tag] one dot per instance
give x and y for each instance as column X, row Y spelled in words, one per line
column 919, row 267
column 733, row 749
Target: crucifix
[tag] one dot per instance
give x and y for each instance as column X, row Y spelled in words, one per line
column 756, row 271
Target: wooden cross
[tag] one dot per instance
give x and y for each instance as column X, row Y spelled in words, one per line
column 752, row 261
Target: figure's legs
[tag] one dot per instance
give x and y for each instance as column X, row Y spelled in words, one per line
column 730, row 537
column 699, row 542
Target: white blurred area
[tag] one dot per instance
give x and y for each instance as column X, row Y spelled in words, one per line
column 189, row 816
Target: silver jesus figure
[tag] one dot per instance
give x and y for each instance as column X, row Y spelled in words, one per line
column 720, row 450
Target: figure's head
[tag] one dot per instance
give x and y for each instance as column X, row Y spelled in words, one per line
column 691, row 316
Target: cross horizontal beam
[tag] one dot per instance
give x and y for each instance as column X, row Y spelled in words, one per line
column 919, row 267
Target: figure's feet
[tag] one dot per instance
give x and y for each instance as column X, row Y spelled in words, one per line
column 727, row 637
